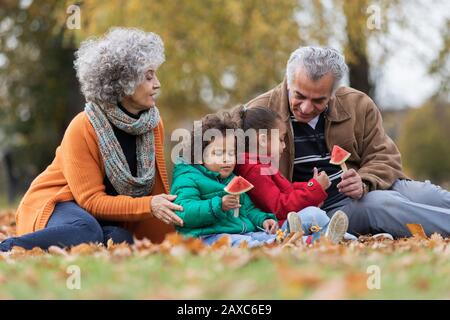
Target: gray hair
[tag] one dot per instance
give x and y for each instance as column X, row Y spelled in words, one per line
column 317, row 62
column 112, row 66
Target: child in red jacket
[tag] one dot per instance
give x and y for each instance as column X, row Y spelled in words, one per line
column 296, row 205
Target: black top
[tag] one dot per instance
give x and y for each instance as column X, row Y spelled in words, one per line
column 311, row 151
column 128, row 143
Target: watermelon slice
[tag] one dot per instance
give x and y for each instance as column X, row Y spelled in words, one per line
column 339, row 156
column 237, row 186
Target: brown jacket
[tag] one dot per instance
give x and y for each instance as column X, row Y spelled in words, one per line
column 353, row 122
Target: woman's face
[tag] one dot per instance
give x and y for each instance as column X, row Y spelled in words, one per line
column 143, row 97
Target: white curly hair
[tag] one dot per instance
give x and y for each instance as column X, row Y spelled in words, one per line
column 112, row 66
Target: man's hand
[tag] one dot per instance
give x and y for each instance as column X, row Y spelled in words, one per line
column 270, row 225
column 351, row 184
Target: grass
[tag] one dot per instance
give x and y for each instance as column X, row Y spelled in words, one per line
column 412, row 268
column 231, row 273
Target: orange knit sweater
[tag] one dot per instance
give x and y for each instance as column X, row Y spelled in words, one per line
column 77, row 173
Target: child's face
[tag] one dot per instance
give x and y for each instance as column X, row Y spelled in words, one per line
column 275, row 144
column 219, row 156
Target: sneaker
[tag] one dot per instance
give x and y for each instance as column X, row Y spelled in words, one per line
column 337, row 227
column 294, row 222
column 382, row 236
column 350, row 237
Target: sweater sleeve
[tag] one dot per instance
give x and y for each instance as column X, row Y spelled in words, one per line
column 197, row 212
column 268, row 196
column 82, row 169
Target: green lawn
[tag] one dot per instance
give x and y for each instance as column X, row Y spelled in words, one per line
column 409, row 269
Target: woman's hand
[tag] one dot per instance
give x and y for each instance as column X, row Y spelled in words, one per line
column 162, row 207
column 270, row 225
column 230, row 201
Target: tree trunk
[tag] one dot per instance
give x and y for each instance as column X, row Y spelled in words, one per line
column 12, row 182
column 356, row 46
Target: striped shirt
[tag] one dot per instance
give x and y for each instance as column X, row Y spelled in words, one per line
column 311, row 151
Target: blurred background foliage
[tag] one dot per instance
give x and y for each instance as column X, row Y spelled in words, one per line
column 219, row 53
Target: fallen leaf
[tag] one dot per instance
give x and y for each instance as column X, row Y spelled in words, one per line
column 195, row 245
column 57, row 251
column 330, row 290
column 224, row 241
column 416, row 230
column 83, row 249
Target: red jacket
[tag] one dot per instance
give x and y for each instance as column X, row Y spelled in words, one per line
column 274, row 193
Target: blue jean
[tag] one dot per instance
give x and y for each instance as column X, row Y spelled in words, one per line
column 314, row 216
column 253, row 239
column 390, row 210
column 309, row 216
column 69, row 225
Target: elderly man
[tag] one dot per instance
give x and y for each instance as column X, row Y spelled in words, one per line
column 374, row 192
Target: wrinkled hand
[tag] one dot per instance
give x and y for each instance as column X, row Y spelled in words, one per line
column 230, row 201
column 162, row 207
column 270, row 225
column 351, row 184
column 322, row 178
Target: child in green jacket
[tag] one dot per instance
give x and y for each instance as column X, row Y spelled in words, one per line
column 208, row 209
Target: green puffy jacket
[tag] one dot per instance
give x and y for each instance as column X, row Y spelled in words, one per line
column 199, row 191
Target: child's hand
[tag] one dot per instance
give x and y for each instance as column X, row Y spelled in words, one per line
column 230, row 201
column 322, row 178
column 270, row 225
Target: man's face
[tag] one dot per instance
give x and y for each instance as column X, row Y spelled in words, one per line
column 309, row 98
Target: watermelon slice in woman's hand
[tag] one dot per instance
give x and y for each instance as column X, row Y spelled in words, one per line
column 339, row 156
column 238, row 185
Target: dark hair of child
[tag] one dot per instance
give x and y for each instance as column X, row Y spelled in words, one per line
column 218, row 121
column 256, row 118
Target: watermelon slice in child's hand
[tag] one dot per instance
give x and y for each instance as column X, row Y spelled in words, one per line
column 339, row 156
column 237, row 186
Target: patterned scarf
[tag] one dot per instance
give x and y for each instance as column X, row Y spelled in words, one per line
column 116, row 166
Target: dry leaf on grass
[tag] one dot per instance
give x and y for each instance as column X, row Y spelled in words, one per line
column 416, row 230
column 290, row 276
column 84, row 249
column 57, row 251
column 330, row 290
column 223, row 242
column 235, row 259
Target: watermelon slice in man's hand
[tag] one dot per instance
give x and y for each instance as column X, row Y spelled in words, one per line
column 339, row 156
column 238, row 185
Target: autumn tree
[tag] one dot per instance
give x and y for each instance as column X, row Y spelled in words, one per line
column 39, row 94
column 218, row 52
column 424, row 141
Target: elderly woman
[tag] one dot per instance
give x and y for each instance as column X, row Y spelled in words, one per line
column 108, row 179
